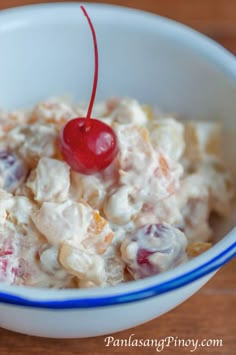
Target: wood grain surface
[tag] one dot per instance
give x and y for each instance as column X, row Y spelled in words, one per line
column 209, row 314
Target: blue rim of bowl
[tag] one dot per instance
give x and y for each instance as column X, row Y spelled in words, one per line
column 142, row 294
column 228, row 67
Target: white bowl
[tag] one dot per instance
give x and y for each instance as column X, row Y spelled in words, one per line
column 47, row 50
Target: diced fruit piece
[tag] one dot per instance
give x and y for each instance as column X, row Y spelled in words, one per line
column 168, row 135
column 152, row 249
column 83, row 264
column 50, row 181
column 76, row 222
column 202, row 139
column 13, row 171
column 198, row 248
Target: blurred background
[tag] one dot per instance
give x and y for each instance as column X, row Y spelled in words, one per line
column 215, row 18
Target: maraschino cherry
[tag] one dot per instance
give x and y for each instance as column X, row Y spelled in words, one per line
column 87, row 144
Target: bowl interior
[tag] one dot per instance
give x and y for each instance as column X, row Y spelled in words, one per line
column 48, row 51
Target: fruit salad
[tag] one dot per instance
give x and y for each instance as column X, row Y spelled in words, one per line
column 145, row 213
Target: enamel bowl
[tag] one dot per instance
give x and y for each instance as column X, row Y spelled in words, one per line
column 46, row 50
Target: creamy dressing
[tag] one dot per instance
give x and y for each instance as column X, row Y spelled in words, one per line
column 138, row 217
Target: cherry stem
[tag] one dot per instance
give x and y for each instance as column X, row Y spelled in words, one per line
column 95, row 80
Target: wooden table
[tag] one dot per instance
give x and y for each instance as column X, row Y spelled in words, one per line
column 209, row 314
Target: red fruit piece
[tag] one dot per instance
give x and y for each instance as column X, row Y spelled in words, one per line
column 152, row 249
column 142, row 256
column 12, row 171
column 5, row 252
column 3, row 265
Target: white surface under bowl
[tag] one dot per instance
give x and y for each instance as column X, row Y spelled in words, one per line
column 46, row 50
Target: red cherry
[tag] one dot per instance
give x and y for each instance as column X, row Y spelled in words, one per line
column 88, row 151
column 89, row 145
